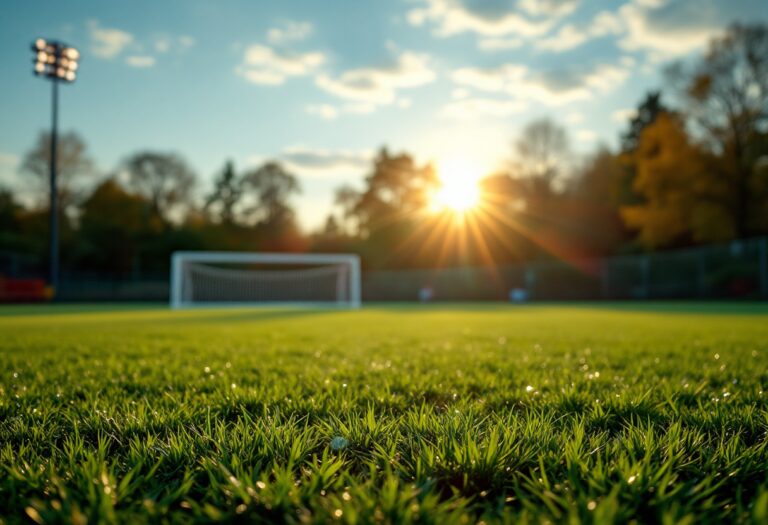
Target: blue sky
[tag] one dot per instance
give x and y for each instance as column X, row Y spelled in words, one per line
column 323, row 84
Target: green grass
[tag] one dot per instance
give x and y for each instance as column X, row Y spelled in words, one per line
column 447, row 414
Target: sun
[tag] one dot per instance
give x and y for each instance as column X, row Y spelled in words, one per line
column 459, row 191
column 459, row 197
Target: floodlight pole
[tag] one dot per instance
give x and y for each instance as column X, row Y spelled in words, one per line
column 57, row 62
column 54, row 198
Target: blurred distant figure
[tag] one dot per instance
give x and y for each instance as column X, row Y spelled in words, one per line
column 426, row 294
column 518, row 295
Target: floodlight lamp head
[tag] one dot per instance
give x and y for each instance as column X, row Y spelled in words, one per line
column 55, row 60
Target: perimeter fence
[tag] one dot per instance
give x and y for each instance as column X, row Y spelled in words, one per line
column 736, row 270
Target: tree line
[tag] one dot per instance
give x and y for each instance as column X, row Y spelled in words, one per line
column 691, row 168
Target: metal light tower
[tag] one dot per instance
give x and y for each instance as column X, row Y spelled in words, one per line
column 57, row 62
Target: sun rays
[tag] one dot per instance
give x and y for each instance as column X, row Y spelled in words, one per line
column 470, row 221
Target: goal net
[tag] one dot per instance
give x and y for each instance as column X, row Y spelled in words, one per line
column 253, row 279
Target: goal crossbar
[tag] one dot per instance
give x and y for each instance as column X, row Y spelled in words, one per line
column 349, row 280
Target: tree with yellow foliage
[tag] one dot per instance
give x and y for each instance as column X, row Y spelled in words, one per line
column 685, row 198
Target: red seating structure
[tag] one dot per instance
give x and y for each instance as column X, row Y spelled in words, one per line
column 23, row 290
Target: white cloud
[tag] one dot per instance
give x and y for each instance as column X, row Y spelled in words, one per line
column 642, row 34
column 606, row 23
column 568, row 37
column 331, row 112
column 586, row 135
column 267, row 66
column 140, row 61
column 469, row 108
column 186, row 41
column 628, row 61
column 623, row 115
column 379, row 85
column 490, row 79
column 451, row 17
column 261, row 76
column 558, row 8
column 107, row 42
column 164, row 43
column 324, row 111
column 289, row 31
column 667, row 29
column 459, row 93
column 574, row 117
column 359, row 108
column 553, row 87
column 325, row 163
column 571, row 36
column 110, row 42
column 499, row 44
column 563, row 86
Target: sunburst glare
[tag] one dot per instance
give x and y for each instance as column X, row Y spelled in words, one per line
column 459, row 191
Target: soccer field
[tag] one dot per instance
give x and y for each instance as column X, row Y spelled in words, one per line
column 439, row 414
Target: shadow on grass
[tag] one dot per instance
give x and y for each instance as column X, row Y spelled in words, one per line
column 11, row 310
column 156, row 313
column 264, row 313
column 683, row 307
column 671, row 307
column 253, row 315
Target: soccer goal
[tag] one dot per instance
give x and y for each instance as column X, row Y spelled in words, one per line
column 201, row 279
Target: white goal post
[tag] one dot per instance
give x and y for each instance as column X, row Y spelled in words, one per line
column 207, row 279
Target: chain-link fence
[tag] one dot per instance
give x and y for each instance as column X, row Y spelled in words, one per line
column 737, row 270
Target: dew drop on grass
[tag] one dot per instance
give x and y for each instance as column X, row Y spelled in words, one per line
column 592, row 505
column 529, row 388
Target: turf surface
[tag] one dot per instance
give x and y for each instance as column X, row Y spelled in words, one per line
column 447, row 414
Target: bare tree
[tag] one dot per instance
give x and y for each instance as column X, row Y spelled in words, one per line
column 273, row 186
column 226, row 195
column 726, row 95
column 72, row 166
column 542, row 151
column 163, row 178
